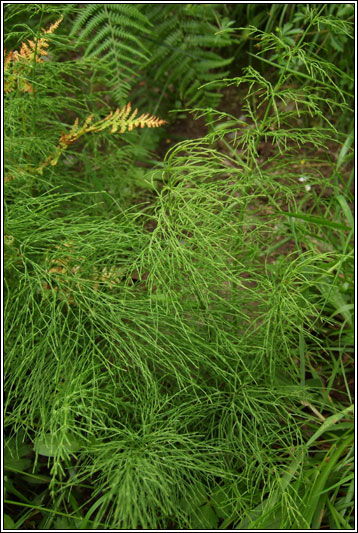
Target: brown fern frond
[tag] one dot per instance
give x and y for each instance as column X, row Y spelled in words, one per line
column 117, row 120
column 29, row 52
column 8, row 58
column 120, row 120
column 67, row 273
column 54, row 26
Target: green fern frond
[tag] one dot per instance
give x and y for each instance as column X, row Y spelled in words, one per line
column 110, row 31
column 179, row 47
column 183, row 50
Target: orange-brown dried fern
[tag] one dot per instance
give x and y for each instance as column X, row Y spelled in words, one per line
column 119, row 121
column 15, row 63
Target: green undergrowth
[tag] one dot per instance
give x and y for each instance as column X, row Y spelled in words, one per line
column 179, row 330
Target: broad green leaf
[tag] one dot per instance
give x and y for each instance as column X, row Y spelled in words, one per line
column 316, row 220
column 49, row 446
column 222, row 502
column 344, row 150
column 204, row 518
column 8, row 522
column 268, row 515
column 337, row 299
column 14, row 455
column 346, row 210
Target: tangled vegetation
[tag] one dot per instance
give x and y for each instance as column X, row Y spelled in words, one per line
column 178, row 280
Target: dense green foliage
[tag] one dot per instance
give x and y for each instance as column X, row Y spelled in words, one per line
column 179, row 327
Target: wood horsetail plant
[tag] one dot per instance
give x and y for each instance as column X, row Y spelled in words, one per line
column 178, row 323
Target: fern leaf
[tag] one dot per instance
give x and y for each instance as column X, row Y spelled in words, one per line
column 16, row 63
column 181, row 52
column 121, row 120
column 111, row 31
